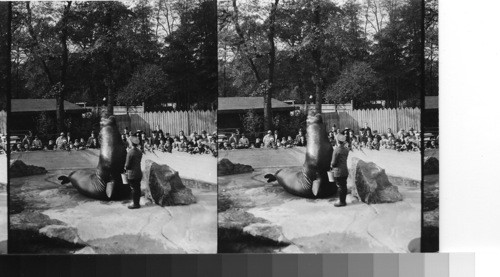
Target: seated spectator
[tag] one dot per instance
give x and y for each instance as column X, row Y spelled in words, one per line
column 204, row 136
column 146, row 146
column 26, row 147
column 61, row 141
column 82, row 144
column 26, row 140
column 169, row 138
column 199, row 148
column 168, row 146
column 51, row 145
column 289, row 142
column 376, row 144
column 233, row 145
column 243, row 143
column 258, row 143
column 233, row 138
column 383, row 141
column 92, row 142
column 268, row 139
column 300, row 139
column 181, row 136
column 158, row 131
column 389, row 132
column 283, row 142
column 76, row 144
column 37, row 144
column 226, row 146
column 377, row 135
column 369, row 142
column 183, row 146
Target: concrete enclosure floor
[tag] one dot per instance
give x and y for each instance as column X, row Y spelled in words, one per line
column 256, row 216
column 55, row 218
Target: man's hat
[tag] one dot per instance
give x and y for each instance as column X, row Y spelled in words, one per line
column 134, row 140
column 341, row 138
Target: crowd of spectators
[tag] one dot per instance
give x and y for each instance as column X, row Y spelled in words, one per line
column 365, row 138
column 195, row 143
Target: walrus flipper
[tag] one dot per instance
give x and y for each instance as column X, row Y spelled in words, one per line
column 270, row 178
column 64, row 179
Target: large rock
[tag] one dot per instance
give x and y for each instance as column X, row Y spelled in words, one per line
column 19, row 169
column 431, row 165
column 164, row 186
column 226, row 167
column 371, row 184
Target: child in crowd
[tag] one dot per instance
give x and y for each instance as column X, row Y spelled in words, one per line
column 168, row 146
column 376, row 144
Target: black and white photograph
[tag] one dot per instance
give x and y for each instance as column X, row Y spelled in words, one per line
column 319, row 126
column 112, row 127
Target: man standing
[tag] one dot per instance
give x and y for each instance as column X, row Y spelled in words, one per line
column 134, row 173
column 339, row 168
column 268, row 139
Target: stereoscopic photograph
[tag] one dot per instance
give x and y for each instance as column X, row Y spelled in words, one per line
column 319, row 126
column 113, row 127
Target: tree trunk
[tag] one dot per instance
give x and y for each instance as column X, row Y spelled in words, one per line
column 268, row 92
column 64, row 69
column 316, row 53
column 109, row 63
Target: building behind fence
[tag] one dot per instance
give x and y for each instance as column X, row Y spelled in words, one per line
column 377, row 119
column 3, row 122
column 170, row 122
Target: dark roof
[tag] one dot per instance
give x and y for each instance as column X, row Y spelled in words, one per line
column 41, row 105
column 240, row 104
column 431, row 102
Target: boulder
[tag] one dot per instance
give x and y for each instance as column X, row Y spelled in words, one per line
column 226, row 167
column 19, row 169
column 62, row 232
column 370, row 184
column 164, row 186
column 431, row 165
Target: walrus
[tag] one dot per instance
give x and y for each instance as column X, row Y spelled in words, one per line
column 312, row 181
column 104, row 182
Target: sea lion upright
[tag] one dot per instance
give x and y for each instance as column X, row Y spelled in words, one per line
column 312, row 181
column 105, row 181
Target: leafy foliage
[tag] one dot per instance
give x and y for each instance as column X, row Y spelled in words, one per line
column 317, row 41
column 111, row 45
column 358, row 81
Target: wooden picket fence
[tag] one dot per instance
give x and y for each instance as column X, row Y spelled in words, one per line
column 3, row 122
column 377, row 119
column 170, row 122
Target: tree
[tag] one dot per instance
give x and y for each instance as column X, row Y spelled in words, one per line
column 357, row 82
column 148, row 84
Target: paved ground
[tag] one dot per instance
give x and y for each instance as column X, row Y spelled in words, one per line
column 255, row 216
column 51, row 218
column 3, row 204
